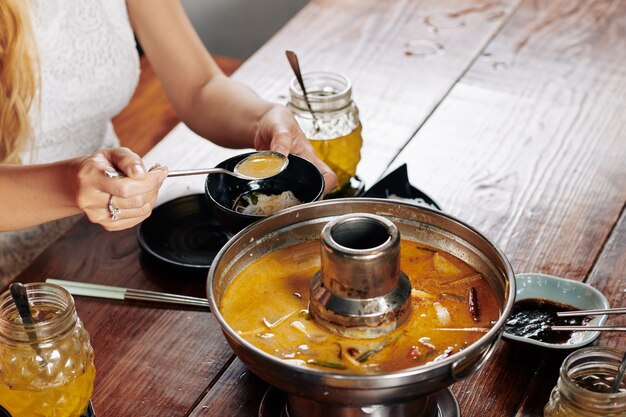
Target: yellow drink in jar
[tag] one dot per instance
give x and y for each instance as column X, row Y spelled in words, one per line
column 47, row 368
column 331, row 123
column 341, row 154
column 66, row 400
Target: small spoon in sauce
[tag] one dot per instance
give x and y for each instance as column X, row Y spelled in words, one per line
column 258, row 166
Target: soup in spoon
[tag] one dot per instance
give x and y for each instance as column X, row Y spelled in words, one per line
column 262, row 165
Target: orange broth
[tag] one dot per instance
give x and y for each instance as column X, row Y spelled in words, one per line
column 267, row 305
column 261, row 166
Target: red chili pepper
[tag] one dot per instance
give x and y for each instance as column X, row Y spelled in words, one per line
column 472, row 301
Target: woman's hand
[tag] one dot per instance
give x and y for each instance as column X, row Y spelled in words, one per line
column 117, row 203
column 278, row 131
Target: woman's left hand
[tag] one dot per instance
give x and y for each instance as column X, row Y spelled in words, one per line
column 278, row 131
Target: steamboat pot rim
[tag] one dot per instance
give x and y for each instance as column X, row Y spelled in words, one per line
column 482, row 347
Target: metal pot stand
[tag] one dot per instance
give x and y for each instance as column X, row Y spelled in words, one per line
column 274, row 404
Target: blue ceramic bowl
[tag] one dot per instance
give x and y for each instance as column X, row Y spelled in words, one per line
column 563, row 291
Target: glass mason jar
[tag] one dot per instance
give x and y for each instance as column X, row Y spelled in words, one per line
column 334, row 128
column 46, row 369
column 584, row 386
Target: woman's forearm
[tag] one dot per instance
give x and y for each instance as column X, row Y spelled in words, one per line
column 210, row 103
column 234, row 115
column 36, row 194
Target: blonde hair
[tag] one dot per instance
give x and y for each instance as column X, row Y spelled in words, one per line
column 18, row 78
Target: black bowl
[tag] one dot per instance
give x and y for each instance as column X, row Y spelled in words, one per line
column 300, row 177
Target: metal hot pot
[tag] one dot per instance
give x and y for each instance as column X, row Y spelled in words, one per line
column 317, row 393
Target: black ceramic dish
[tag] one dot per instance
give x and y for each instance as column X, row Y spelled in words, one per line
column 397, row 184
column 183, row 233
column 300, row 177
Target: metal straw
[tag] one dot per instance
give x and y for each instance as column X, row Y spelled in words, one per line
column 574, row 313
column 121, row 293
column 589, row 328
column 20, row 298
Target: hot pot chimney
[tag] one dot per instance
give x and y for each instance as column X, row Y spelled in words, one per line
column 360, row 291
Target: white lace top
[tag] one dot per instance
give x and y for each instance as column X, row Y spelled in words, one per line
column 89, row 69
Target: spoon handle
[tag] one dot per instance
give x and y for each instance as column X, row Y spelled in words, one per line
column 295, row 66
column 200, row 171
column 180, row 172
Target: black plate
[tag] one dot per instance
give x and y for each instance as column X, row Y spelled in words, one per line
column 183, row 233
column 397, row 184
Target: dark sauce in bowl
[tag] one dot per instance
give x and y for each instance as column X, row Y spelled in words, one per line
column 533, row 317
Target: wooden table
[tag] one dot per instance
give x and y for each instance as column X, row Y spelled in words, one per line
column 511, row 114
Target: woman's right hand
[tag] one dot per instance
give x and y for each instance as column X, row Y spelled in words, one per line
column 117, row 203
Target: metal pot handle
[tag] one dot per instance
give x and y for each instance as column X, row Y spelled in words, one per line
column 460, row 370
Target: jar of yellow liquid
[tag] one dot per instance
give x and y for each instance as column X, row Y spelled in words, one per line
column 584, row 388
column 332, row 124
column 46, row 368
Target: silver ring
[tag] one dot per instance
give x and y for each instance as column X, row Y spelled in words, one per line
column 115, row 212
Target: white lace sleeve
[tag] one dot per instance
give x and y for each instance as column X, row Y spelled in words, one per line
column 89, row 69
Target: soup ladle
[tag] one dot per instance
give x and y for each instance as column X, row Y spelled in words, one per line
column 258, row 166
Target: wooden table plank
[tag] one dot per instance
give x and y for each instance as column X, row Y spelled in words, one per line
column 609, row 277
column 383, row 47
column 533, row 155
column 238, row 393
column 529, row 148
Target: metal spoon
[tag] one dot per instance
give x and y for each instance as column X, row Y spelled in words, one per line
column 594, row 312
column 619, row 376
column 295, row 66
column 236, row 172
column 20, row 298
